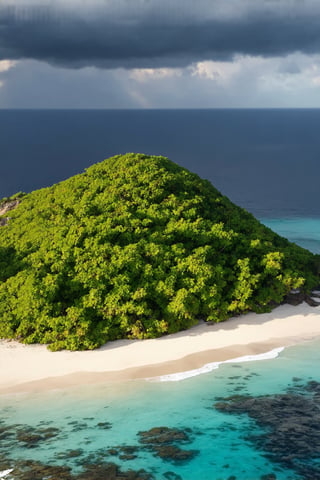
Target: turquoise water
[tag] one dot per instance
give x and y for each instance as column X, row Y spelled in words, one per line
column 101, row 424
column 219, row 438
column 302, row 231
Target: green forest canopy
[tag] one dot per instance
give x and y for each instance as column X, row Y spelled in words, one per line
column 137, row 247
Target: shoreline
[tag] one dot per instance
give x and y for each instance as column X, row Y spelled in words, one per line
column 33, row 368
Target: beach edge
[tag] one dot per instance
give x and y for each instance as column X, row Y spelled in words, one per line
column 30, row 368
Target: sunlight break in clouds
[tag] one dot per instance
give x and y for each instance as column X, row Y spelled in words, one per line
column 5, row 65
column 220, row 72
column 146, row 74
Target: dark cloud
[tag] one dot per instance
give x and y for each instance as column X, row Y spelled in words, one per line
column 32, row 84
column 156, row 33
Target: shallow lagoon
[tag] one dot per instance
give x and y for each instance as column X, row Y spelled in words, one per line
column 94, row 425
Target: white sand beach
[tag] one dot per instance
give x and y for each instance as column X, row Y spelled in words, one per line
column 35, row 368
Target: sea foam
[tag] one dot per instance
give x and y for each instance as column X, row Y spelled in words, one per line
column 209, row 367
column 4, row 473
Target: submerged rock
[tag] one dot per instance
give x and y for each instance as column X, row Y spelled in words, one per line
column 172, row 476
column 172, row 452
column 104, row 425
column 292, row 426
column 33, row 470
column 163, row 435
column 162, row 442
column 30, row 437
column 70, row 453
column 111, row 471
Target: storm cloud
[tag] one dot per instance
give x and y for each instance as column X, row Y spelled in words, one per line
column 155, row 33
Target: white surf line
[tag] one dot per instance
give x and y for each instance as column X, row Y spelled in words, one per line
column 209, row 367
column 4, row 473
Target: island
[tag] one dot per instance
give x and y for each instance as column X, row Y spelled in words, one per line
column 136, row 247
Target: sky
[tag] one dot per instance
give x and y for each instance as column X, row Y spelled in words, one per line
column 160, row 54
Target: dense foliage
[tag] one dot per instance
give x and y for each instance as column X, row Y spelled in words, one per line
column 136, row 247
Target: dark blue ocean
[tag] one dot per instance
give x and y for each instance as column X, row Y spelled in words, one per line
column 267, row 161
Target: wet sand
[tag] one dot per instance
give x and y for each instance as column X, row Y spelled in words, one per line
column 35, row 368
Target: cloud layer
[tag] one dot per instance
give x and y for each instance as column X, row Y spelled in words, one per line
column 155, row 33
column 245, row 82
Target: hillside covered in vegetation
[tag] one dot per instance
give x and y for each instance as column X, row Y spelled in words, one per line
column 136, row 247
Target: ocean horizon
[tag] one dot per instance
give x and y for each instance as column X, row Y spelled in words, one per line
column 266, row 161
